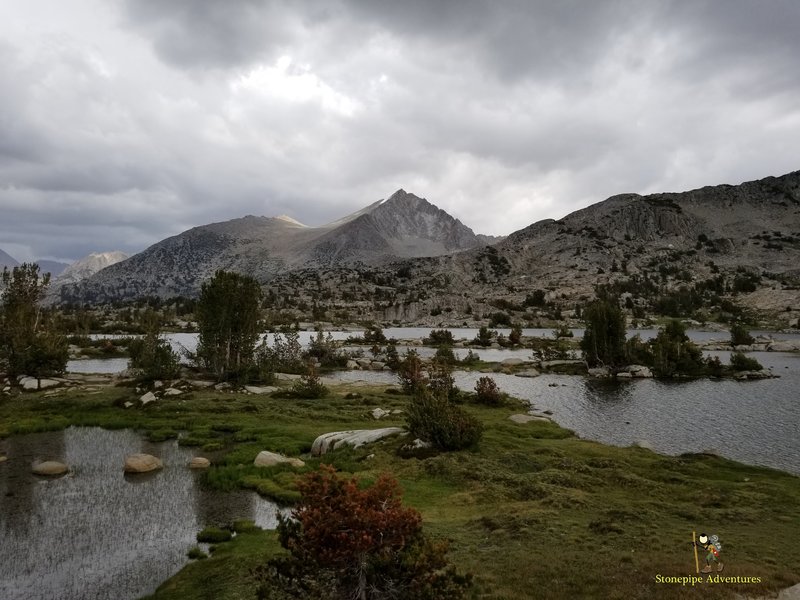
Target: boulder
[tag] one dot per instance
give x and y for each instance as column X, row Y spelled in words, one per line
column 364, row 363
column 352, row 365
column 639, row 371
column 512, row 362
column 549, row 364
column 158, row 385
column 624, row 375
column 172, row 392
column 197, row 383
column 527, row 373
column 600, row 373
column 379, row 413
column 266, row 458
column 377, row 365
column 355, row 438
column 784, row 346
column 142, row 463
column 268, row 389
column 199, row 462
column 147, row 398
column 50, row 467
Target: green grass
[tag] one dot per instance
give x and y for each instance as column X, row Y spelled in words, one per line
column 532, row 512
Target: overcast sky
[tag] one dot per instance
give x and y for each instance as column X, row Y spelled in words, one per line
column 123, row 122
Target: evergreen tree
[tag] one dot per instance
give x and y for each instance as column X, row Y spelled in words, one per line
column 604, row 339
column 29, row 344
column 227, row 315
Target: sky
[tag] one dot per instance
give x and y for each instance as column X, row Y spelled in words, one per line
column 123, row 122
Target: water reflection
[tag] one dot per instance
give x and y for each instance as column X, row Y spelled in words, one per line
column 98, row 533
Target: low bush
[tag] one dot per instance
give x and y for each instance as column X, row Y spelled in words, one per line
column 742, row 362
column 435, row 419
column 214, row 535
column 487, row 392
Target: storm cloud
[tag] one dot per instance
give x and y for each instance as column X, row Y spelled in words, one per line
column 124, row 122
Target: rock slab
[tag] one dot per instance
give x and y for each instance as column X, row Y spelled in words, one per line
column 355, row 438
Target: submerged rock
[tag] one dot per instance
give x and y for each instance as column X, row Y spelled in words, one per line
column 142, row 463
column 355, row 438
column 50, row 467
column 199, row 462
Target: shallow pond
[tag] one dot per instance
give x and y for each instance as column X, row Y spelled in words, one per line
column 96, row 532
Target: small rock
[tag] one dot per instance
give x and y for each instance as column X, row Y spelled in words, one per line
column 158, row 385
column 197, row 383
column 199, row 462
column 222, row 387
column 128, row 404
column 639, row 371
column 624, row 375
column 379, row 413
column 3, row 458
column 142, row 463
column 364, row 363
column 172, row 392
column 352, row 365
column 377, row 365
column 600, row 373
column 147, row 398
column 419, row 444
column 50, row 467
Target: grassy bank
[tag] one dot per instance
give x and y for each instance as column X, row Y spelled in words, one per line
column 534, row 512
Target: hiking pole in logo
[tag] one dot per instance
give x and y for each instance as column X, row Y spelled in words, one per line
column 694, row 545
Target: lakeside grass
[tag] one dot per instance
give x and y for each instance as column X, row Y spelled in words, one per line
column 533, row 512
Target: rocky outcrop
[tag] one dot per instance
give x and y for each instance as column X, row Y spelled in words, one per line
column 356, row 438
column 142, row 463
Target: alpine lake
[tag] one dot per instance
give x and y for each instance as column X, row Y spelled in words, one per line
column 99, row 533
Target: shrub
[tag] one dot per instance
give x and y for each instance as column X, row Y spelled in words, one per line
column 309, row 385
column 740, row 336
column 196, row 553
column 603, row 341
column 674, row 353
column 471, row 358
column 410, row 372
column 153, row 358
column 440, row 337
column 213, row 535
column 434, row 418
column 487, row 392
column 515, row 337
column 444, row 354
column 742, row 362
column 484, row 337
column 440, row 379
column 324, row 350
column 346, row 541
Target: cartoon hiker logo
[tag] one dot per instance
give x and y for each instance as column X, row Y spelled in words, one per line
column 711, row 546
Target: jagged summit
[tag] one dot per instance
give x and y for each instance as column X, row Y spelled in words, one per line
column 401, row 226
column 88, row 266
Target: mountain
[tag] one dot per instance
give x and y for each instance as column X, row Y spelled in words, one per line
column 7, row 260
column 54, row 267
column 722, row 249
column 402, row 226
column 88, row 266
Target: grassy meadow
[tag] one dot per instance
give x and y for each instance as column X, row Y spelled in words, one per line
column 532, row 512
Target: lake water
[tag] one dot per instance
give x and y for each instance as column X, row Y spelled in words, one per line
column 98, row 533
column 755, row 422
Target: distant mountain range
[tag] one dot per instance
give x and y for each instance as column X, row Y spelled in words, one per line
column 404, row 259
column 61, row 272
column 400, row 227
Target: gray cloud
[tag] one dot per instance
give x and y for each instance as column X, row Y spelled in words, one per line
column 123, row 123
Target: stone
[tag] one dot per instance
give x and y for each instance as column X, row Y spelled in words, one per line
column 3, row 458
column 142, row 463
column 355, row 438
column 512, row 362
column 288, row 376
column 364, row 363
column 147, row 398
column 379, row 413
column 172, row 392
column 377, row 365
column 158, row 385
column 128, row 404
column 50, row 467
column 549, row 364
column 784, row 346
column 198, row 383
column 527, row 373
column 600, row 373
column 352, row 365
column 624, row 375
column 260, row 390
column 639, row 371
column 266, row 458
column 32, row 384
column 199, row 462
column 522, row 419
column 222, row 387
